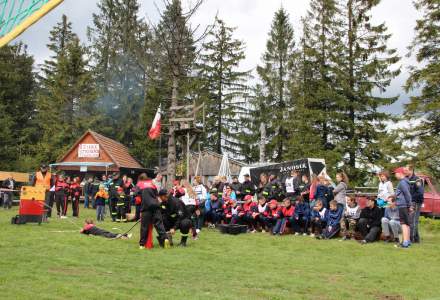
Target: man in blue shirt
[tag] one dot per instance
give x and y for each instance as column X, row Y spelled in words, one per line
column 405, row 205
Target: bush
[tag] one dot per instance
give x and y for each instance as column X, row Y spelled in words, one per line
column 430, row 224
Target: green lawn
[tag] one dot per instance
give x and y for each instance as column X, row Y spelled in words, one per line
column 37, row 262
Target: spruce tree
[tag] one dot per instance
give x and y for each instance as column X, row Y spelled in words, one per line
column 226, row 105
column 424, row 108
column 315, row 86
column 17, row 109
column 66, row 97
column 365, row 71
column 118, row 48
column 274, row 75
column 176, row 52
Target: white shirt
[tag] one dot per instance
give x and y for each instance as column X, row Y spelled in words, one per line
column 289, row 185
column 187, row 199
column 385, row 190
column 200, row 191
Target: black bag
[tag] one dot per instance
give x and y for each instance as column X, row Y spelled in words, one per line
column 17, row 220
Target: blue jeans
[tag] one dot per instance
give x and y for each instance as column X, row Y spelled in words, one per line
column 100, row 212
column 86, row 200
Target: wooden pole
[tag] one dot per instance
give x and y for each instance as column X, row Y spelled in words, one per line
column 187, row 156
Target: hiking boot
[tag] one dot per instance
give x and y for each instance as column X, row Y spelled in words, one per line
column 166, row 244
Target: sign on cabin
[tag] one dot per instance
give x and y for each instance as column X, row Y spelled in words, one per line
column 88, row 150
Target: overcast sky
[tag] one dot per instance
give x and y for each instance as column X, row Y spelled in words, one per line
column 252, row 18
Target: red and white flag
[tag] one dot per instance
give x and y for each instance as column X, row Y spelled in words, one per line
column 154, row 132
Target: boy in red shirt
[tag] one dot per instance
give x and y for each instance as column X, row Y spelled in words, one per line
column 285, row 217
column 270, row 216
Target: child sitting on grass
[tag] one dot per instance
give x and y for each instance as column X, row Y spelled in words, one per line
column 350, row 219
column 90, row 228
column 285, row 217
column 270, row 216
column 100, row 198
column 333, row 221
column 301, row 217
column 318, row 217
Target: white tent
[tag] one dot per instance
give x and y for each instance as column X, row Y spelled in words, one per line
column 224, row 168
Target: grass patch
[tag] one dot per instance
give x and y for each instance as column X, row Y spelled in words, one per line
column 52, row 261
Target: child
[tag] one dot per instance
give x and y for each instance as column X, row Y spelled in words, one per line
column 285, row 217
column 322, row 191
column 270, row 215
column 385, row 189
column 249, row 207
column 100, row 198
column 301, row 217
column 350, row 219
column 75, row 191
column 121, row 205
column 61, row 192
column 319, row 217
column 215, row 214
column 391, row 221
column 232, row 212
column 333, row 219
column 90, row 228
column 258, row 213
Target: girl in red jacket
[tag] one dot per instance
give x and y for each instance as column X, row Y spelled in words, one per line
column 249, row 208
column 270, row 216
column 75, row 191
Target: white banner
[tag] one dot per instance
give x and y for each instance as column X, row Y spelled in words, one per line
column 88, row 150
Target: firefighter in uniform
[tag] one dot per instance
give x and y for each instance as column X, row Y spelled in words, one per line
column 43, row 178
column 115, row 183
column 61, row 192
column 121, row 205
column 175, row 216
column 151, row 215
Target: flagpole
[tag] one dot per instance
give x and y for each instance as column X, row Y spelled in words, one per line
column 160, row 142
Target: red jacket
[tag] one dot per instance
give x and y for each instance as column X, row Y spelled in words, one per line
column 75, row 189
column 141, row 185
column 249, row 208
column 271, row 213
column 287, row 212
column 61, row 186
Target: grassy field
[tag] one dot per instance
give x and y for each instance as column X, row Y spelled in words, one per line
column 39, row 262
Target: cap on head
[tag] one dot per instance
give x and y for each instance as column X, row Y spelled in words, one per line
column 273, row 202
column 400, row 170
column 247, row 197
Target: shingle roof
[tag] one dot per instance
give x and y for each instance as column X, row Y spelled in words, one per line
column 118, row 152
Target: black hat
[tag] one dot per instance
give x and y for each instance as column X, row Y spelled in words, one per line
column 43, row 166
column 163, row 192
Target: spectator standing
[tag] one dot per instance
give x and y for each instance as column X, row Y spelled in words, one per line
column 417, row 194
column 405, row 205
column 9, row 184
column 340, row 191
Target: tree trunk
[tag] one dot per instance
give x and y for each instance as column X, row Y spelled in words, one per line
column 351, row 43
column 171, row 169
column 262, row 142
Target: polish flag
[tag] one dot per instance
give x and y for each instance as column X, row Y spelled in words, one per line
column 154, row 132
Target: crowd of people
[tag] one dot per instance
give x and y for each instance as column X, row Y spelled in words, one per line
column 300, row 205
